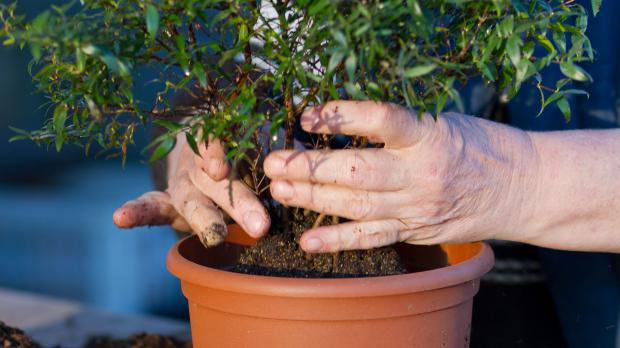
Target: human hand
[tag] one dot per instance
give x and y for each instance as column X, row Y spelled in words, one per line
column 194, row 184
column 456, row 179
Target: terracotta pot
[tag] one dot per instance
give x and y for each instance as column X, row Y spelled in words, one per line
column 430, row 307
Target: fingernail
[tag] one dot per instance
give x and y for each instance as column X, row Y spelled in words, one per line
column 254, row 222
column 313, row 244
column 309, row 118
column 274, row 166
column 282, row 189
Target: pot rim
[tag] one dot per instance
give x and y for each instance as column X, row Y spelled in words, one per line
column 462, row 272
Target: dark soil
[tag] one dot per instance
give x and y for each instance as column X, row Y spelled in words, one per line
column 15, row 338
column 279, row 254
column 137, row 341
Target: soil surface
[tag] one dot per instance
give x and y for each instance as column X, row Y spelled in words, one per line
column 138, row 341
column 15, row 338
column 279, row 254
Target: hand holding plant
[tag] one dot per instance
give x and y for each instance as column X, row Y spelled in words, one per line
column 195, row 183
column 454, row 179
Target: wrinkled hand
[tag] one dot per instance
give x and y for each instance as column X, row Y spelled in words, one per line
column 194, row 184
column 456, row 179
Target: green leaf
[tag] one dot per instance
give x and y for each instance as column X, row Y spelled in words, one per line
column 350, row 64
column 596, row 6
column 560, row 40
column 80, row 59
column 191, row 141
column 35, row 50
column 564, row 106
column 115, row 65
column 506, row 27
column 163, row 149
column 544, row 41
column 169, row 125
column 335, row 59
column 574, row 72
column 60, row 116
column 40, row 22
column 152, row 20
column 441, row 103
column 9, row 41
column 513, row 49
column 221, row 16
column 18, row 137
column 60, row 139
column 243, row 32
column 19, row 131
column 419, row 70
column 201, row 75
column 340, row 38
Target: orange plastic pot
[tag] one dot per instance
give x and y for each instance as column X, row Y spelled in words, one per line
column 430, row 307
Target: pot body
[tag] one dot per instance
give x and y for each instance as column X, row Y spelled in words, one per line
column 430, row 307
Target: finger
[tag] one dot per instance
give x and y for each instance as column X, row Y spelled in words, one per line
column 203, row 217
column 152, row 208
column 212, row 159
column 351, row 236
column 239, row 202
column 335, row 200
column 381, row 122
column 355, row 168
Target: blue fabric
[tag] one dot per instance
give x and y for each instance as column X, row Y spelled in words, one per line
column 585, row 287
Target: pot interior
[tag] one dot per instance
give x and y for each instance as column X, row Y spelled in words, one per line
column 417, row 258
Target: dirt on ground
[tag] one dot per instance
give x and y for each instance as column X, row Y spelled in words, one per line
column 15, row 338
column 279, row 254
column 138, row 341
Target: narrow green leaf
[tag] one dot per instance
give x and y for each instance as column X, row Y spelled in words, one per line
column 513, row 49
column 60, row 116
column 596, row 6
column 36, row 51
column 564, row 106
column 19, row 131
column 340, row 38
column 441, row 103
column 350, row 65
column 152, row 20
column 544, row 41
column 560, row 40
column 18, row 137
column 163, row 149
column 169, row 125
column 201, row 75
column 9, row 41
column 80, row 59
column 574, row 72
column 419, row 70
column 243, row 32
column 335, row 59
column 60, row 139
column 191, row 141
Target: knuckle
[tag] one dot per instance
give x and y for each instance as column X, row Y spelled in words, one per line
column 357, row 169
column 361, row 207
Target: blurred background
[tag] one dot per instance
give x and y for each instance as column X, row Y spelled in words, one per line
column 57, row 237
column 56, row 232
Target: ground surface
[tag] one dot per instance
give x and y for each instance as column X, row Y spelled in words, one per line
column 14, row 338
column 59, row 323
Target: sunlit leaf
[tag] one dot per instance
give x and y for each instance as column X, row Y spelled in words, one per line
column 152, row 20
column 163, row 149
column 419, row 70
